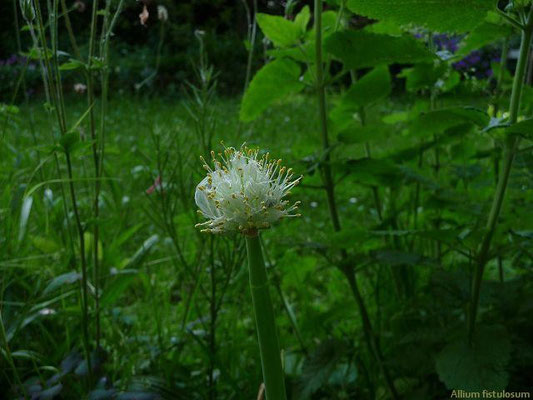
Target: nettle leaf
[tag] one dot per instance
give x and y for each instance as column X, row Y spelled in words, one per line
column 365, row 134
column 423, row 75
column 360, row 49
column 373, row 171
column 479, row 366
column 484, row 34
column 435, row 15
column 273, row 82
column 319, row 367
column 522, row 128
column 371, row 88
column 278, row 30
column 440, row 120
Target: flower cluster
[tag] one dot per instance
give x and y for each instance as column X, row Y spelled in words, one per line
column 244, row 192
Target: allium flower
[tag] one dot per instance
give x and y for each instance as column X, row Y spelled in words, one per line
column 244, row 192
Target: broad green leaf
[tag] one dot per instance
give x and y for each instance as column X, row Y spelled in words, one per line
column 272, row 82
column 371, row 171
column 395, row 257
column 369, row 89
column 522, row 128
column 279, row 30
column 484, row 34
column 360, row 49
column 435, row 15
column 422, row 75
column 365, row 134
column 319, row 367
column 440, row 120
column 479, row 366
column 303, row 18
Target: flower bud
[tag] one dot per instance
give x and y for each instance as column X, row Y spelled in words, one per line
column 27, row 10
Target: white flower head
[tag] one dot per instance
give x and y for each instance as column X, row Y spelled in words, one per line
column 244, row 192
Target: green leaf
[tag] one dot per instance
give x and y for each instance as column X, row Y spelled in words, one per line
column 68, row 140
column 64, row 279
column 303, row 18
column 422, row 75
column 372, row 171
column 479, row 366
column 360, row 49
column 522, row 128
column 279, row 30
column 484, row 34
column 365, row 134
column 319, row 367
column 71, row 65
column 272, row 82
column 371, row 88
column 440, row 120
column 24, row 216
column 435, row 15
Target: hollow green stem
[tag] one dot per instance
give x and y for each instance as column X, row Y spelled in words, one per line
column 509, row 150
column 265, row 321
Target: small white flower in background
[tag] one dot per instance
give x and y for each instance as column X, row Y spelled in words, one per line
column 80, row 88
column 162, row 13
column 244, row 192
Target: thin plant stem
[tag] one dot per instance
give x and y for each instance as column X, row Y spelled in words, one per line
column 321, row 92
column 70, row 32
column 9, row 357
column 265, row 321
column 59, row 106
column 330, row 193
column 509, row 150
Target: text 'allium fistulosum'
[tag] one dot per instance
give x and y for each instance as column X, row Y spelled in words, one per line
column 245, row 192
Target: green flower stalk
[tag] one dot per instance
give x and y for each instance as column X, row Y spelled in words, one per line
column 246, row 193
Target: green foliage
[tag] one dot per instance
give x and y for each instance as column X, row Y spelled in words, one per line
column 477, row 366
column 360, row 49
column 273, row 82
column 281, row 31
column 435, row 15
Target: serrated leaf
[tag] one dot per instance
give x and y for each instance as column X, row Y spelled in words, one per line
column 484, row 34
column 422, row 75
column 440, row 120
column 319, row 367
column 435, row 15
column 367, row 133
column 371, row 88
column 278, row 30
column 272, row 82
column 360, row 49
column 522, row 128
column 479, row 366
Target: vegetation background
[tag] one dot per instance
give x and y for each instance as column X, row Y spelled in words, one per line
column 408, row 274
